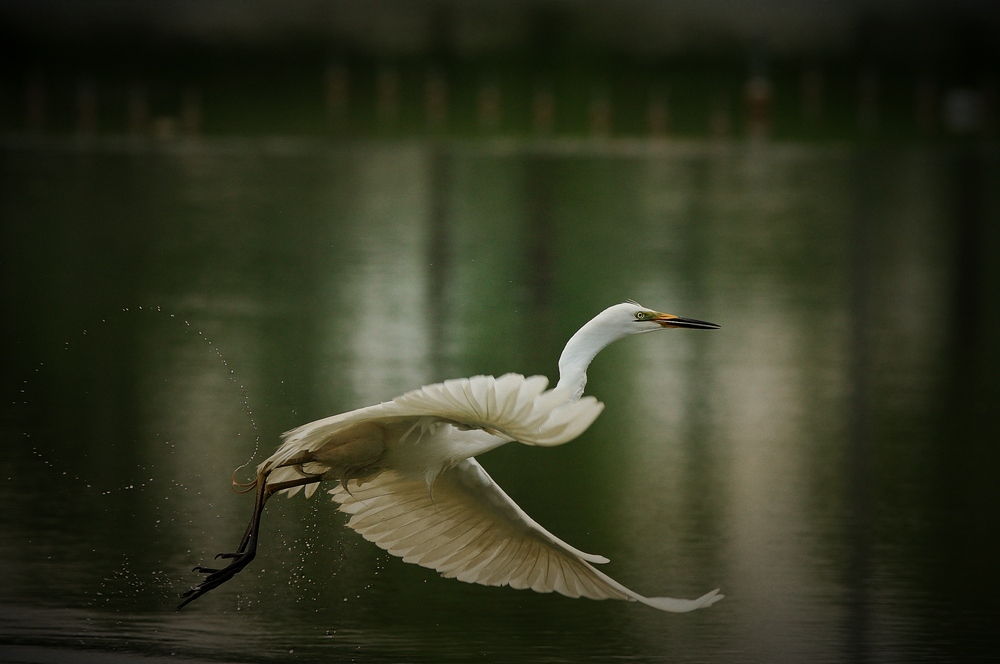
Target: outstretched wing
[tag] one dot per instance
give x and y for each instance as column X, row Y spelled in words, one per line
column 472, row 531
column 510, row 406
column 513, row 406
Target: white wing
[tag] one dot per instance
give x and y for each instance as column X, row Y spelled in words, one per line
column 469, row 529
column 510, row 406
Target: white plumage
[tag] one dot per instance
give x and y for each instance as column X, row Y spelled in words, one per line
column 472, row 531
column 410, row 482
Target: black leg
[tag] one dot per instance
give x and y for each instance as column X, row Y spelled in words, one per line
column 247, row 549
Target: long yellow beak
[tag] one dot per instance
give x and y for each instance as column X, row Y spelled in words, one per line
column 669, row 320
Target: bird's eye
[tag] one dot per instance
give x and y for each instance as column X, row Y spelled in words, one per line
column 640, row 315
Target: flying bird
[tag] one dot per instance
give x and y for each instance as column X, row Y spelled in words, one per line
column 409, row 479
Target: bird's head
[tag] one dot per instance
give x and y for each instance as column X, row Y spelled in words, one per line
column 614, row 323
column 637, row 319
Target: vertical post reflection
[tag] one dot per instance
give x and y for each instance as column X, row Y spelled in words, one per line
column 539, row 236
column 967, row 455
column 383, row 264
column 969, row 176
column 859, row 456
column 538, row 241
column 439, row 250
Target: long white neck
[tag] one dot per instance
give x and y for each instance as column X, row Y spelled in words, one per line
column 580, row 350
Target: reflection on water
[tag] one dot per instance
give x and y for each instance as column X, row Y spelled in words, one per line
column 822, row 458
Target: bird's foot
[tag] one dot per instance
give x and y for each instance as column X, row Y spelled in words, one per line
column 247, row 549
column 204, row 570
column 235, row 554
column 216, row 577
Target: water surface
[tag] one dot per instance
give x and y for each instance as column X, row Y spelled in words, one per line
column 826, row 458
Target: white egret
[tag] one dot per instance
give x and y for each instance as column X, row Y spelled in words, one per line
column 410, row 481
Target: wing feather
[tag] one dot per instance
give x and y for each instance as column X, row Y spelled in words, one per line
column 488, row 553
column 500, row 569
column 425, row 525
column 431, row 526
column 510, row 406
column 471, row 530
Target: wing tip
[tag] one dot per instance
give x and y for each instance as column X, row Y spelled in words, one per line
column 589, row 557
column 674, row 605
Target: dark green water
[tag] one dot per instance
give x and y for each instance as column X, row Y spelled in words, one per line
column 827, row 458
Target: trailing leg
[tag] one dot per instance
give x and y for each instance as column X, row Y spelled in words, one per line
column 247, row 549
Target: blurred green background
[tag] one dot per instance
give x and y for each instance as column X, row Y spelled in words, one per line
column 222, row 220
column 834, row 71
